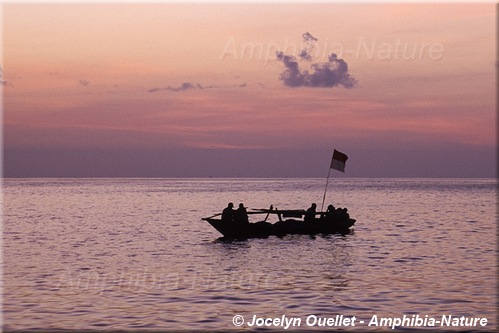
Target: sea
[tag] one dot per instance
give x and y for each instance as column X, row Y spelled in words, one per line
column 135, row 254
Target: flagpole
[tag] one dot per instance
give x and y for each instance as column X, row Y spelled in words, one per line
column 325, row 189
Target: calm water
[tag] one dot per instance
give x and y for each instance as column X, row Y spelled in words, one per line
column 134, row 254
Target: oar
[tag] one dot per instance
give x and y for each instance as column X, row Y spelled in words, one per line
column 205, row 218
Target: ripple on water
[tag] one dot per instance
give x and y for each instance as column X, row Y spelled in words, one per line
column 81, row 256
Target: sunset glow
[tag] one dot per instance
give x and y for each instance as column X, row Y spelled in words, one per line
column 206, row 77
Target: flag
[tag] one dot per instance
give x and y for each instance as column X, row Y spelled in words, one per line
column 338, row 161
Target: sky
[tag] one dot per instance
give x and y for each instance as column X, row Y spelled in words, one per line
column 248, row 89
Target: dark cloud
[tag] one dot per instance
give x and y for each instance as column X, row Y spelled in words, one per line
column 184, row 86
column 292, row 76
column 242, row 85
column 308, row 40
column 308, row 37
column 188, row 86
column 328, row 74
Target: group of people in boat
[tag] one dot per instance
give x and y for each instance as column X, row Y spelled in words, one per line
column 332, row 214
column 240, row 215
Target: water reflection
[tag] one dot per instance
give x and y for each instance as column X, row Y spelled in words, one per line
column 79, row 255
column 290, row 263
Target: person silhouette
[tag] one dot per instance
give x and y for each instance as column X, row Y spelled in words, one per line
column 330, row 214
column 241, row 215
column 228, row 213
column 310, row 213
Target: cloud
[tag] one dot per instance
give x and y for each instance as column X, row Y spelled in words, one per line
column 188, row 86
column 308, row 37
column 309, row 40
column 184, row 86
column 328, row 74
column 84, row 82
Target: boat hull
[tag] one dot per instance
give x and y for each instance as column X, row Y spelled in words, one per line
column 281, row 228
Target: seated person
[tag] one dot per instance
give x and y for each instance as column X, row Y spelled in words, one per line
column 310, row 213
column 331, row 215
column 228, row 213
column 241, row 215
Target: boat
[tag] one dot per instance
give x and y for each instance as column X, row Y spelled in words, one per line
column 297, row 221
column 289, row 222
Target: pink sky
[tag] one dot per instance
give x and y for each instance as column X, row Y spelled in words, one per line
column 108, row 77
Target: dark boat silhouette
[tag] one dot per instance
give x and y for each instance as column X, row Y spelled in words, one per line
column 288, row 224
column 333, row 221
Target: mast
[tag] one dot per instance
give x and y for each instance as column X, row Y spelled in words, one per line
column 325, row 189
